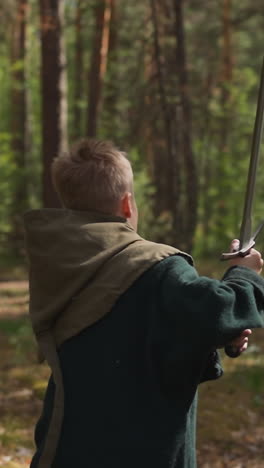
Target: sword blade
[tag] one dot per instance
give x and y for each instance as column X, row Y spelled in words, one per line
column 246, row 225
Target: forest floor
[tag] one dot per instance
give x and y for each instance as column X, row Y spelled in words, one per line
column 231, row 410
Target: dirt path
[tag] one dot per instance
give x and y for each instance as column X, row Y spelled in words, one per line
column 22, row 381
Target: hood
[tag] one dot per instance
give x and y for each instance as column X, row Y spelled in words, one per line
column 81, row 260
column 66, row 249
column 80, row 263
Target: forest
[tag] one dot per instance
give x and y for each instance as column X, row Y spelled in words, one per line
column 174, row 83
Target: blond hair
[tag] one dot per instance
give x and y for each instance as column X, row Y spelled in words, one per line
column 93, row 175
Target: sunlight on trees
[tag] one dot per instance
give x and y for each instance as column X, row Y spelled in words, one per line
column 172, row 83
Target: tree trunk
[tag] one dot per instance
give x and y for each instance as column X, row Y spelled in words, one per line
column 185, row 123
column 224, row 186
column 103, row 10
column 54, row 92
column 227, row 69
column 166, row 168
column 18, row 121
column 112, row 89
column 206, row 167
column 79, row 68
column 227, row 72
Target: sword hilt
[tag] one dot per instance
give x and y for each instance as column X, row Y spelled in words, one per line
column 246, row 248
column 239, row 253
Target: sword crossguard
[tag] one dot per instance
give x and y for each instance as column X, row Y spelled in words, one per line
column 239, row 253
column 247, row 247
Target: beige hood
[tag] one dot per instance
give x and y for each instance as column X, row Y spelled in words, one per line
column 80, row 263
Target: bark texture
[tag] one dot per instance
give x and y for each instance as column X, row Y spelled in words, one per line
column 18, row 121
column 54, row 92
column 102, row 11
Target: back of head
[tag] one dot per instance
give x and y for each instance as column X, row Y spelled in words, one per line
column 93, row 176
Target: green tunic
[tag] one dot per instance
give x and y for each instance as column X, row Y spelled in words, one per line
column 131, row 378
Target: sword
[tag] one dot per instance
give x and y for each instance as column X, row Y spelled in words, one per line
column 246, row 239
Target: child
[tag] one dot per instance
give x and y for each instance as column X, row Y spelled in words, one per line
column 127, row 326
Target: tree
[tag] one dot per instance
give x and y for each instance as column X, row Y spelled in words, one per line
column 18, row 120
column 175, row 175
column 225, row 118
column 54, row 91
column 111, row 86
column 166, row 172
column 185, row 122
column 79, row 69
column 99, row 56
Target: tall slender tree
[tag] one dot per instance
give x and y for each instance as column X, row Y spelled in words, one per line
column 225, row 82
column 174, row 169
column 79, row 69
column 111, row 89
column 185, row 123
column 99, row 56
column 166, row 168
column 54, row 91
column 18, row 118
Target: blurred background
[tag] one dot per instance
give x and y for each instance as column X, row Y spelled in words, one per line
column 174, row 83
column 171, row 82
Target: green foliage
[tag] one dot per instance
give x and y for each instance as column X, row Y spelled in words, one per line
column 131, row 106
column 7, row 164
column 143, row 193
column 7, row 177
column 224, row 190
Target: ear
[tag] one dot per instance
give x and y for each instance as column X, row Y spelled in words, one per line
column 126, row 205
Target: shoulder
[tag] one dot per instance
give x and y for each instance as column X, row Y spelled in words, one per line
column 175, row 266
column 169, row 269
column 162, row 278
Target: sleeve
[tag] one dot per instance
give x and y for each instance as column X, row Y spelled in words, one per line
column 211, row 311
column 196, row 315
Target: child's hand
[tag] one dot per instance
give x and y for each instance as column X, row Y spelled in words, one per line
column 241, row 343
column 252, row 260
